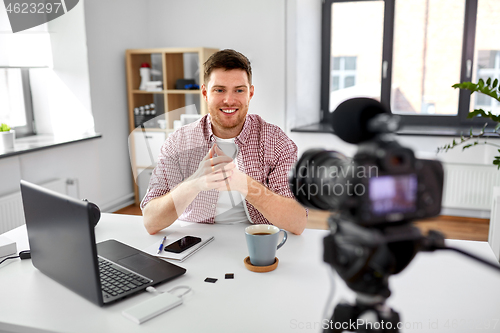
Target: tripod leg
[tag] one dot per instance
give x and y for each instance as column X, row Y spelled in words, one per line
column 383, row 319
column 343, row 319
column 393, row 319
column 356, row 318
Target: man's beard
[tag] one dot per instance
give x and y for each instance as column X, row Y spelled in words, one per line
column 222, row 123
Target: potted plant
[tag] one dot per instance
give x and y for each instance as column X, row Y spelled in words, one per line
column 7, row 136
column 491, row 89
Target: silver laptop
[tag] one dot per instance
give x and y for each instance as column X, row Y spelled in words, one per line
column 63, row 247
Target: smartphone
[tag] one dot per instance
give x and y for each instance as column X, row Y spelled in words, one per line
column 182, row 244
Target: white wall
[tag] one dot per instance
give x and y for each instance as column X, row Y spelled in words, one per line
column 93, row 69
column 111, row 29
column 255, row 28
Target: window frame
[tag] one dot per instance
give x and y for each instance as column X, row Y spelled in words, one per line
column 29, row 128
column 467, row 64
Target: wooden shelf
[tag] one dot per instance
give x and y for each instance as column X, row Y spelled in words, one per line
column 173, row 50
column 181, row 91
column 154, row 129
column 145, row 167
column 170, row 91
column 148, row 92
column 160, row 130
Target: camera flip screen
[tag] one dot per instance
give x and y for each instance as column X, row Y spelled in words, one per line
column 393, row 194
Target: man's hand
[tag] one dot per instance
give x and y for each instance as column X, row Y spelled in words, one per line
column 234, row 179
column 220, row 173
column 281, row 211
column 213, row 172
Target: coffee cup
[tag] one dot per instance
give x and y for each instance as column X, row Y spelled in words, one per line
column 262, row 241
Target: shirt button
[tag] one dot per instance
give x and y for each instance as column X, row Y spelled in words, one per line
column 213, row 205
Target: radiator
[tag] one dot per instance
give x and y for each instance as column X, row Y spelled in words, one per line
column 469, row 186
column 11, row 205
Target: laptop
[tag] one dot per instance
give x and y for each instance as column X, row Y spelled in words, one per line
column 63, row 247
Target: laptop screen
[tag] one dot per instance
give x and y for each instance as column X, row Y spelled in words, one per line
column 62, row 240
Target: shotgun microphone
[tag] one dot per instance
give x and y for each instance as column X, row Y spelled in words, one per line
column 361, row 119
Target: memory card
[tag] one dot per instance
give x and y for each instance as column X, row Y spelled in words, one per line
column 211, row 280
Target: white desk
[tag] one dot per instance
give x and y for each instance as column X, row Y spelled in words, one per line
column 435, row 287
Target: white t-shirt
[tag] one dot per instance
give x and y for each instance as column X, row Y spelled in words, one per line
column 231, row 207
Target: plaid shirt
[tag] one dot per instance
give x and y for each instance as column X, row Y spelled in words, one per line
column 265, row 154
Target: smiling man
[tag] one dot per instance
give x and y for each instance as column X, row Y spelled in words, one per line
column 228, row 167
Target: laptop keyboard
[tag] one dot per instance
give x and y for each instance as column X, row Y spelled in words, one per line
column 116, row 280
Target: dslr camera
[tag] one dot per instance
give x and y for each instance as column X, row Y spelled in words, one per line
column 382, row 184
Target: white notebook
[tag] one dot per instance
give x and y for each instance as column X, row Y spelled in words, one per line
column 172, row 238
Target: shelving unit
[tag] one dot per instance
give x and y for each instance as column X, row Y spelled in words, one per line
column 168, row 65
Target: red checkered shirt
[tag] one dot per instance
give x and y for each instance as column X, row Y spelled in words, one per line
column 265, row 153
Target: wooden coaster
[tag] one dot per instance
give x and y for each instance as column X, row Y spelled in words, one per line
column 260, row 269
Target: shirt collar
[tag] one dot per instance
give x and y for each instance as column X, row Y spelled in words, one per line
column 208, row 129
column 242, row 137
column 245, row 131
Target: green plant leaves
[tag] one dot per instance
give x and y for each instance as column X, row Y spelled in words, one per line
column 4, row 128
column 486, row 88
column 496, row 161
column 482, row 113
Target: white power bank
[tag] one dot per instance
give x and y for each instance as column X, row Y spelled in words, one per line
column 152, row 307
column 7, row 247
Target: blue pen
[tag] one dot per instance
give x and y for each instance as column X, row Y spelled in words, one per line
column 161, row 245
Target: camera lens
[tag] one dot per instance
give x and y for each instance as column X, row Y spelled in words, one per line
column 316, row 177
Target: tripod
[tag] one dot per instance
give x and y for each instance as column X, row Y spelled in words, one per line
column 365, row 258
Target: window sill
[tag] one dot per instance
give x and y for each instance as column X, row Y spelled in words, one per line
column 314, row 128
column 406, row 130
column 38, row 142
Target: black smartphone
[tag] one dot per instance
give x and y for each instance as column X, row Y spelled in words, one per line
column 182, row 244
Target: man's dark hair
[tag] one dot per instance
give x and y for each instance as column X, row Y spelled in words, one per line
column 227, row 59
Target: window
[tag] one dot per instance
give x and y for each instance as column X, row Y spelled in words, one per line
column 488, row 65
column 343, row 73
column 408, row 53
column 355, row 51
column 426, row 55
column 15, row 100
column 19, row 52
column 343, row 76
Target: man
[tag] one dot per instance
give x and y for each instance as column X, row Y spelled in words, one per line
column 228, row 167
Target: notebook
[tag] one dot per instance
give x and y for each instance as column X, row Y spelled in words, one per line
column 172, row 238
column 63, row 247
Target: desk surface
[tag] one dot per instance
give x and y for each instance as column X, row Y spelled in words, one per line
column 438, row 292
